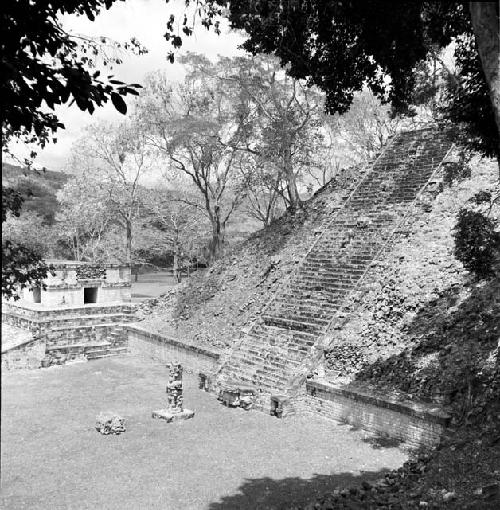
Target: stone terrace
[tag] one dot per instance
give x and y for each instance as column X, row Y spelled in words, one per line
column 268, row 357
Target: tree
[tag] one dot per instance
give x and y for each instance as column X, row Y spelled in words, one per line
column 342, row 46
column 115, row 157
column 466, row 100
column 264, row 188
column 283, row 122
column 197, row 127
column 42, row 66
column 178, row 226
column 477, row 233
column 30, row 229
column 21, row 265
column 84, row 217
column 364, row 129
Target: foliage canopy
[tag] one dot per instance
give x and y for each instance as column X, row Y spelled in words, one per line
column 43, row 66
column 341, row 46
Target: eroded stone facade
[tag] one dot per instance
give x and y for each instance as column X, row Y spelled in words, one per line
column 78, row 283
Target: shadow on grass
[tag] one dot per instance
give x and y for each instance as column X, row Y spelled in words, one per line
column 287, row 493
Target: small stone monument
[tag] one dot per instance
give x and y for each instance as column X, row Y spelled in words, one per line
column 174, row 410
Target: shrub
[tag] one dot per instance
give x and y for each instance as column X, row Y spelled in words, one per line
column 476, row 241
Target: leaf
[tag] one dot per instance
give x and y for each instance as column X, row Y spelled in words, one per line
column 119, row 103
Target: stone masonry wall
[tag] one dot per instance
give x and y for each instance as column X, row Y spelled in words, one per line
column 414, row 424
column 160, row 348
column 92, row 332
column 86, row 335
column 55, row 313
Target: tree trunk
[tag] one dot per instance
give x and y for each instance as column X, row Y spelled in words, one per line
column 177, row 275
column 128, row 247
column 76, row 248
column 218, row 234
column 291, row 182
column 485, row 22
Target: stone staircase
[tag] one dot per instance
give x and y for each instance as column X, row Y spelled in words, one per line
column 99, row 341
column 269, row 356
column 93, row 341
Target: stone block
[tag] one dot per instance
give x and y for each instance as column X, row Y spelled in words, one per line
column 230, row 397
column 278, row 403
column 170, row 416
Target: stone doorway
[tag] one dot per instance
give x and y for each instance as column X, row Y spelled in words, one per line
column 89, row 295
column 37, row 295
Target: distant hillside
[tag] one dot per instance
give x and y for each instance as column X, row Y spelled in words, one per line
column 39, row 188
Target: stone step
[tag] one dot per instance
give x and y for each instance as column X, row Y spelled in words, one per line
column 254, row 361
column 281, row 333
column 313, row 317
column 330, row 268
column 291, row 348
column 289, row 323
column 288, row 349
column 296, row 320
column 314, row 277
column 78, row 346
column 238, row 377
column 308, row 296
column 315, row 302
column 58, row 324
column 106, row 353
column 313, row 280
column 331, row 291
column 273, row 373
column 84, row 312
column 261, row 380
column 86, row 326
column 336, row 252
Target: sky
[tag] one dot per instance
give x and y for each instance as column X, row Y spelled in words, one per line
column 146, row 20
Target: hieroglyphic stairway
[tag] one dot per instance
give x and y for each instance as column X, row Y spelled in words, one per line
column 269, row 355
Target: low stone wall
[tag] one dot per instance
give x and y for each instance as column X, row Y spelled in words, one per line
column 193, row 358
column 40, row 313
column 112, row 333
column 408, row 422
column 20, row 348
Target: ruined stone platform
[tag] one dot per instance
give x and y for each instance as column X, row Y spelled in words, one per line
column 169, row 416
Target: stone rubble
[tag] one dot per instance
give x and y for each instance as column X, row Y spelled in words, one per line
column 110, row 423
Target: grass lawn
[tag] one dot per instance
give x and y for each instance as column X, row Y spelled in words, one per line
column 53, row 458
column 151, row 285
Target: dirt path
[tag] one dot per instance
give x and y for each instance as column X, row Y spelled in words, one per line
column 52, row 457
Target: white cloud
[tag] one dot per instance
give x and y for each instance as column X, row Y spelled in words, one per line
column 146, row 20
